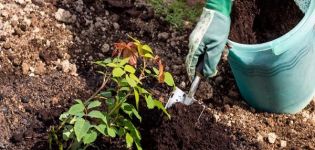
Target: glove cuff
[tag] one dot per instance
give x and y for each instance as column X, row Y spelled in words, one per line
column 222, row 6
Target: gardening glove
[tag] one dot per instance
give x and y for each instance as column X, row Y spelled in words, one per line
column 303, row 4
column 209, row 37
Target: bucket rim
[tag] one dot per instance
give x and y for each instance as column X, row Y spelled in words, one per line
column 307, row 22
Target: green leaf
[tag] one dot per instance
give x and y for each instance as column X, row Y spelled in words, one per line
column 133, row 130
column 147, row 48
column 110, row 101
column 135, row 112
column 118, row 72
column 139, row 48
column 123, row 62
column 111, row 132
column 99, row 115
column 136, row 93
column 116, row 60
column 135, row 40
column 130, row 110
column 107, row 60
column 124, row 89
column 147, row 55
column 106, row 94
column 126, row 108
column 121, row 132
column 147, row 71
column 94, row 104
column 134, row 77
column 73, row 120
column 142, row 91
column 123, row 82
column 79, row 101
column 75, row 109
column 138, row 145
column 113, row 65
column 67, row 132
column 156, row 71
column 81, row 127
column 90, row 137
column 101, row 128
column 63, row 116
column 129, row 140
column 160, row 106
column 150, row 102
column 168, row 79
column 130, row 81
column 130, row 69
column 100, row 63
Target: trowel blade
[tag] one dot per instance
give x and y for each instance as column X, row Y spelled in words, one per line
column 178, row 96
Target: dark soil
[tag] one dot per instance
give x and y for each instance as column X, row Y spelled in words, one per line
column 186, row 131
column 45, row 64
column 259, row 21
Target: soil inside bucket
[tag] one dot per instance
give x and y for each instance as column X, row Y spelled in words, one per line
column 259, row 21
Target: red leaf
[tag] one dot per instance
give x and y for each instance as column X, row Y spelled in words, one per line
column 161, row 69
column 127, row 50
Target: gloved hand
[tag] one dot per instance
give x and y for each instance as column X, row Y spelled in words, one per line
column 209, row 37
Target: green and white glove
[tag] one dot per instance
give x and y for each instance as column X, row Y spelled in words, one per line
column 209, row 38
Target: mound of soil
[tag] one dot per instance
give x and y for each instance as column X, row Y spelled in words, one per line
column 259, row 21
column 193, row 127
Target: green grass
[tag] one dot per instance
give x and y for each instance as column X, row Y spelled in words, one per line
column 177, row 12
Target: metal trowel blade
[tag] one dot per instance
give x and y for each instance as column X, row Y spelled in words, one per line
column 178, row 96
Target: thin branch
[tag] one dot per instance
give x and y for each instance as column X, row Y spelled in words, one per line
column 105, row 80
column 142, row 75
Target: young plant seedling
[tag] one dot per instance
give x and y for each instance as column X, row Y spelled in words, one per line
column 110, row 110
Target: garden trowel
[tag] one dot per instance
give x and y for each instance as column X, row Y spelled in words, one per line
column 179, row 96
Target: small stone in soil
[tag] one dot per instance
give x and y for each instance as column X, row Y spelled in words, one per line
column 182, row 85
column 40, row 68
column 25, row 68
column 105, row 48
column 226, row 108
column 21, row 2
column 216, row 117
column 218, row 80
column 283, row 143
column 2, row 146
column 25, row 99
column 272, row 137
column 116, row 26
column 4, row 110
column 163, row 36
column 6, row 45
column 65, row 16
column 1, row 98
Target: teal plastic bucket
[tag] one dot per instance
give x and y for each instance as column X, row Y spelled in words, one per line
column 278, row 76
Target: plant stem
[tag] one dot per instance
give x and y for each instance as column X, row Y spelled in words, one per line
column 105, row 80
column 142, row 75
column 119, row 104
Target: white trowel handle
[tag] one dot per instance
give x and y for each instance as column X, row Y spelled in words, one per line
column 195, row 83
column 194, row 86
